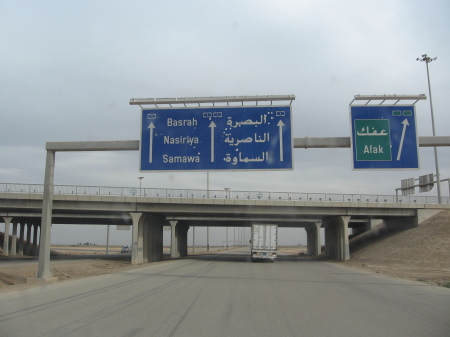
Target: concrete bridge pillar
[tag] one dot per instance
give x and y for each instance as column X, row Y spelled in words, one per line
column 183, row 229
column 174, row 250
column 27, row 250
column 329, row 243
column 178, row 243
column 14, row 239
column 147, row 239
column 44, row 272
column 136, row 247
column 313, row 238
column 34, row 249
column 21, row 237
column 7, row 220
column 153, row 238
column 336, row 238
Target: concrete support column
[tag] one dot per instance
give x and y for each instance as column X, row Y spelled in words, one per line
column 308, row 238
column 44, row 271
column 145, row 243
column 151, row 228
column 193, row 239
column 147, row 239
column 344, row 249
column 7, row 220
column 183, row 229
column 136, row 247
column 174, row 250
column 34, row 250
column 140, row 241
column 313, row 239
column 14, row 239
column 153, row 238
column 179, row 244
column 207, row 239
column 336, row 237
column 28, row 242
column 329, row 243
column 21, row 237
column 107, row 239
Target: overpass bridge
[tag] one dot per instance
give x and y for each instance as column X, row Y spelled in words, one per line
column 147, row 211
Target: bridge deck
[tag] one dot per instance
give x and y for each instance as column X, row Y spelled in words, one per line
column 90, row 209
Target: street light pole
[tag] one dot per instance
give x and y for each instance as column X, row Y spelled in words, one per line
column 427, row 60
column 207, row 197
column 140, row 186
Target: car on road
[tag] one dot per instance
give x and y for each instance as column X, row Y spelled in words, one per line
column 125, row 249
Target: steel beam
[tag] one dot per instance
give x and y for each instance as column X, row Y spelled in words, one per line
column 219, row 99
column 325, row 142
column 116, row 145
column 389, row 97
column 344, row 142
column 434, row 141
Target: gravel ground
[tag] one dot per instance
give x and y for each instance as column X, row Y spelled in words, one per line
column 84, row 261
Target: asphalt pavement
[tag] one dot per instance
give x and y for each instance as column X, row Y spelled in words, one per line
column 227, row 295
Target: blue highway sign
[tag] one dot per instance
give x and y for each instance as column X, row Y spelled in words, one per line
column 208, row 139
column 384, row 137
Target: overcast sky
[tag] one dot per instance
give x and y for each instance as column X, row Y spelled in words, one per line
column 69, row 69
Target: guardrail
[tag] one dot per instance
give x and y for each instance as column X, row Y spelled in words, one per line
column 217, row 194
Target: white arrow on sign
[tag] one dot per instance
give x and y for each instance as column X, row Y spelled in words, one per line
column 212, row 126
column 405, row 124
column 150, row 156
column 280, row 127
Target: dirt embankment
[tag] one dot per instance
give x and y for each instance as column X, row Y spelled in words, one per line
column 70, row 263
column 420, row 254
column 15, row 277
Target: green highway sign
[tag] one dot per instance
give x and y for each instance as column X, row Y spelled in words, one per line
column 372, row 139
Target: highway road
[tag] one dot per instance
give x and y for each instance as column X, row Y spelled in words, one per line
column 227, row 295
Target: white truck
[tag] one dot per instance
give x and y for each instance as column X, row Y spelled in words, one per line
column 263, row 242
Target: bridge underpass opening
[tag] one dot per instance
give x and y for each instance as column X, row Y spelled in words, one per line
column 219, row 237
column 96, row 234
column 235, row 236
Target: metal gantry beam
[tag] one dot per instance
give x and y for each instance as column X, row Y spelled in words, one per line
column 117, row 145
column 384, row 98
column 344, row 142
column 213, row 100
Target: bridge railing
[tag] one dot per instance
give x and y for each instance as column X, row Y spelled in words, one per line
column 218, row 194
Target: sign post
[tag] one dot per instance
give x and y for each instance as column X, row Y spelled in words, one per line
column 216, row 138
column 384, row 137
